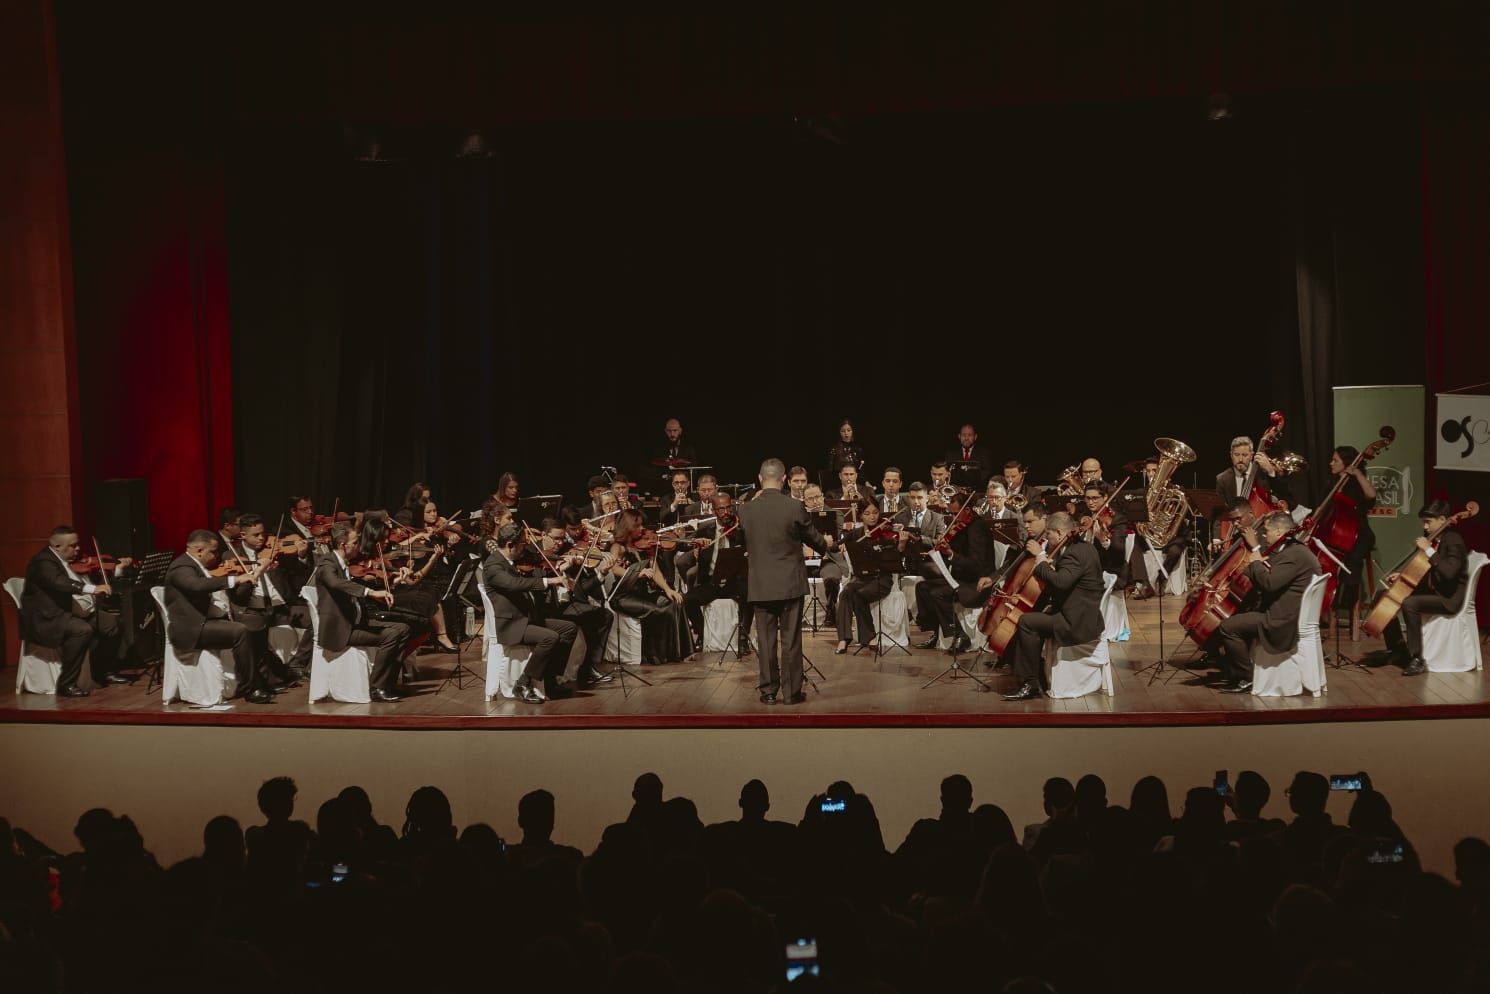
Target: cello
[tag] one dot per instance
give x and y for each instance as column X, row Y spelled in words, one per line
column 1022, row 590
column 1409, row 573
column 1339, row 524
column 1224, row 587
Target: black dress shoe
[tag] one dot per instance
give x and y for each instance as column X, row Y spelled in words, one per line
column 1027, row 691
column 449, row 650
column 259, row 696
column 800, row 698
column 1237, row 687
column 386, row 696
column 556, row 691
column 590, row 674
column 929, row 643
column 526, row 694
column 768, row 698
column 960, row 644
column 114, row 678
column 282, row 688
column 1415, row 667
column 72, row 690
column 297, row 675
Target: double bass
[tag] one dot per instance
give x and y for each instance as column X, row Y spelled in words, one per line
column 1410, row 573
column 1338, row 524
column 1220, row 592
column 1260, row 500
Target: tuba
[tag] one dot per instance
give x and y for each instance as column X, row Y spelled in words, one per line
column 1071, row 483
column 1167, row 506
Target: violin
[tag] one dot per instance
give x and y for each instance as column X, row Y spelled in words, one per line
column 375, row 571
column 83, row 565
column 233, row 567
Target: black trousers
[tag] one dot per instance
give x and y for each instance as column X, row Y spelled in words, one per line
column 856, row 603
column 783, row 619
column 595, row 622
column 1237, row 633
column 1027, row 648
column 1414, row 606
column 551, row 643
column 384, row 638
column 295, row 616
column 936, row 598
column 693, row 607
column 100, row 632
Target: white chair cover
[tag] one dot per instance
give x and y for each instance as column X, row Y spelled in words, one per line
column 893, row 617
column 1078, row 670
column 1114, row 609
column 625, row 639
column 40, row 667
column 1451, row 642
column 195, row 677
column 1154, row 560
column 967, row 620
column 344, row 676
column 283, row 641
column 503, row 668
column 719, row 625
column 1291, row 673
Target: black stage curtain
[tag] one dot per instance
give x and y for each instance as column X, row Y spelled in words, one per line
column 1074, row 280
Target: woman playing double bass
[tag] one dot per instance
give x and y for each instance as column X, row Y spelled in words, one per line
column 1347, row 512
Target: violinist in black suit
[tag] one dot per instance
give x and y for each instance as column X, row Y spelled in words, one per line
column 196, row 619
column 969, row 558
column 275, row 596
column 1108, row 532
column 1280, row 579
column 346, row 620
column 1074, row 615
column 1442, row 591
column 706, row 587
column 869, row 583
column 518, row 620
column 60, row 610
column 777, row 527
column 971, row 464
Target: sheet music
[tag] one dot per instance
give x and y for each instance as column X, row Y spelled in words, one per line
column 941, row 564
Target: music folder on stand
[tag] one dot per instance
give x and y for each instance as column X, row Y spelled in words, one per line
column 872, row 558
column 730, row 564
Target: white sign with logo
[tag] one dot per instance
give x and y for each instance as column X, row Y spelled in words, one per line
column 1463, row 432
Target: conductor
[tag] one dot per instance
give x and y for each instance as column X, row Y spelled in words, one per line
column 776, row 527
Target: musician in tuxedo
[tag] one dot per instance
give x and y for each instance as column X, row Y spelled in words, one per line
column 1280, row 580
column 995, row 509
column 199, row 614
column 60, row 610
column 229, row 533
column 707, row 587
column 1442, row 591
column 678, row 503
column 275, row 596
column 346, row 619
column 673, row 448
column 969, row 560
column 1015, row 482
column 864, row 589
column 1073, row 617
column 776, row 527
column 796, row 482
column 518, row 620
column 971, row 464
column 1246, row 469
column 891, row 500
column 684, row 562
column 597, row 487
column 850, row 487
column 1108, row 534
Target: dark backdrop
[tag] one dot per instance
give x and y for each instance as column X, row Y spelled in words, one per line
column 1074, row 280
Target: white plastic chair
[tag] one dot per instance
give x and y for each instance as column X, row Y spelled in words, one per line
column 1290, row 673
column 345, row 676
column 194, row 677
column 40, row 667
column 1078, row 670
column 503, row 666
column 1114, row 611
column 1451, row 642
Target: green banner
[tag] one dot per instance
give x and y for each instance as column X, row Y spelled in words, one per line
column 1398, row 473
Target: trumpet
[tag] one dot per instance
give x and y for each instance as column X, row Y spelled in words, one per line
column 1071, row 483
column 1016, row 501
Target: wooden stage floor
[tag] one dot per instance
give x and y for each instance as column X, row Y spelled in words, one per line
column 852, row 691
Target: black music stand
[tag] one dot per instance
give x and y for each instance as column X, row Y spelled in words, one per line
column 956, row 667
column 459, row 588
column 152, row 573
column 621, row 670
column 532, row 510
column 1339, row 659
column 873, row 558
column 730, row 564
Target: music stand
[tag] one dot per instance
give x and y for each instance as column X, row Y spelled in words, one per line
column 152, row 573
column 461, row 582
column 731, row 564
column 620, row 668
column 875, row 558
column 532, row 510
column 1339, row 659
column 956, row 667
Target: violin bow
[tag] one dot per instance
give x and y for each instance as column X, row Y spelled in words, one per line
column 99, row 556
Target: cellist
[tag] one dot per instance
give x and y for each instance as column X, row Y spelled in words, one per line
column 1074, row 616
column 1280, row 577
column 1441, row 592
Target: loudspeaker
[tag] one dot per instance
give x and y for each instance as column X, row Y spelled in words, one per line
column 121, row 516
